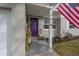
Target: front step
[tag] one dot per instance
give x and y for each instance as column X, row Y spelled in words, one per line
column 43, row 42
column 34, row 38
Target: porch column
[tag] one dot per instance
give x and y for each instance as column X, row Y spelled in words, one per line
column 50, row 28
column 50, row 25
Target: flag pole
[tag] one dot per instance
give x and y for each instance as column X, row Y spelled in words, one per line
column 57, row 6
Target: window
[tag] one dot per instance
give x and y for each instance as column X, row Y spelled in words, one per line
column 71, row 26
column 54, row 24
column 46, row 24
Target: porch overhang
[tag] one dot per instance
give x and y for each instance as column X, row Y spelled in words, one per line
column 7, row 5
column 35, row 10
column 43, row 10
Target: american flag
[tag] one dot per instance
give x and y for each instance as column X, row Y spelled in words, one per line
column 71, row 12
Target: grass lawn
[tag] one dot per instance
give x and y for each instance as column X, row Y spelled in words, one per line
column 69, row 48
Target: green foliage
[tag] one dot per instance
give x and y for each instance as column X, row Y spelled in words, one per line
column 28, row 33
column 41, row 38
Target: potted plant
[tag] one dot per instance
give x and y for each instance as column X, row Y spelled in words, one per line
column 28, row 34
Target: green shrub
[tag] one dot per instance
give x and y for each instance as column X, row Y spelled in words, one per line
column 56, row 39
column 76, row 37
column 41, row 38
column 68, row 36
column 28, row 33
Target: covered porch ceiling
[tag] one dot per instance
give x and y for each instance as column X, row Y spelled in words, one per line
column 39, row 9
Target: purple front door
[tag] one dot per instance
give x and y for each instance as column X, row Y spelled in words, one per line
column 34, row 26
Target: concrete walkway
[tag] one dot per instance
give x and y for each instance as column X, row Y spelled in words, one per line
column 40, row 48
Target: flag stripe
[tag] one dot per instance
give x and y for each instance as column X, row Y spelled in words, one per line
column 75, row 14
column 71, row 15
column 65, row 15
column 68, row 13
column 76, row 9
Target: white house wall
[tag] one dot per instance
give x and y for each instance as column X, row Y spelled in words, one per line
column 17, row 30
column 65, row 28
column 44, row 32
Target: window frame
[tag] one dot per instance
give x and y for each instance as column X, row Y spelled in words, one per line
column 48, row 25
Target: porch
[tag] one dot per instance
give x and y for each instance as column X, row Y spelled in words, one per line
column 40, row 12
